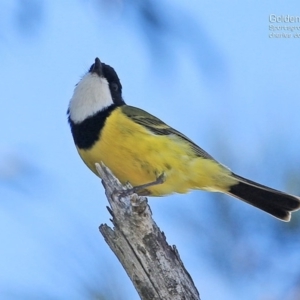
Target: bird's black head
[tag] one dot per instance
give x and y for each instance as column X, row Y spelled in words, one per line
column 106, row 71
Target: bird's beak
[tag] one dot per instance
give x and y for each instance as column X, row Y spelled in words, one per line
column 97, row 67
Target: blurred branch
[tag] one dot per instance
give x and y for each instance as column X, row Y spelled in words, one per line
column 153, row 266
column 29, row 16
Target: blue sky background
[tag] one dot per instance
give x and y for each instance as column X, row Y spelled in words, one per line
column 210, row 70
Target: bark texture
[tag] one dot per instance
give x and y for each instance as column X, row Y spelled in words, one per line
column 154, row 267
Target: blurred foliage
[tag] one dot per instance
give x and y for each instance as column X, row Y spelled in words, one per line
column 29, row 15
column 162, row 24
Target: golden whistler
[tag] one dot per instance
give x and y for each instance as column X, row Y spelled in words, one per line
column 155, row 158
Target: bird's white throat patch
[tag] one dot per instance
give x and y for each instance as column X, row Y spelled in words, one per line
column 90, row 96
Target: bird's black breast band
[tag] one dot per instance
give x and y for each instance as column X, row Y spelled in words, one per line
column 88, row 132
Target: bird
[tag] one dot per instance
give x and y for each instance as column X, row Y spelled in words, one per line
column 156, row 159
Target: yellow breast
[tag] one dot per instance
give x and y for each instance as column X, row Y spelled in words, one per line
column 136, row 155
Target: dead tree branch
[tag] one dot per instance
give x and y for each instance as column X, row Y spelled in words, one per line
column 153, row 266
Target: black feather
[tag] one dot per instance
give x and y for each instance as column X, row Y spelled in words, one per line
column 274, row 202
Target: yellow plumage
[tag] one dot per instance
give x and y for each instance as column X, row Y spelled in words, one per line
column 136, row 155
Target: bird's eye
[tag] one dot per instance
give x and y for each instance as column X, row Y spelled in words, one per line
column 114, row 86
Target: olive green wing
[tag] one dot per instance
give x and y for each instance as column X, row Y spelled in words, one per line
column 158, row 127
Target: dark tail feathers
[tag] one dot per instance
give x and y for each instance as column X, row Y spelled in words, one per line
column 274, row 202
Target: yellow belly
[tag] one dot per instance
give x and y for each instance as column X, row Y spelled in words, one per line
column 138, row 156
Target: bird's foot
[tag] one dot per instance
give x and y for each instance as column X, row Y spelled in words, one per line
column 142, row 189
